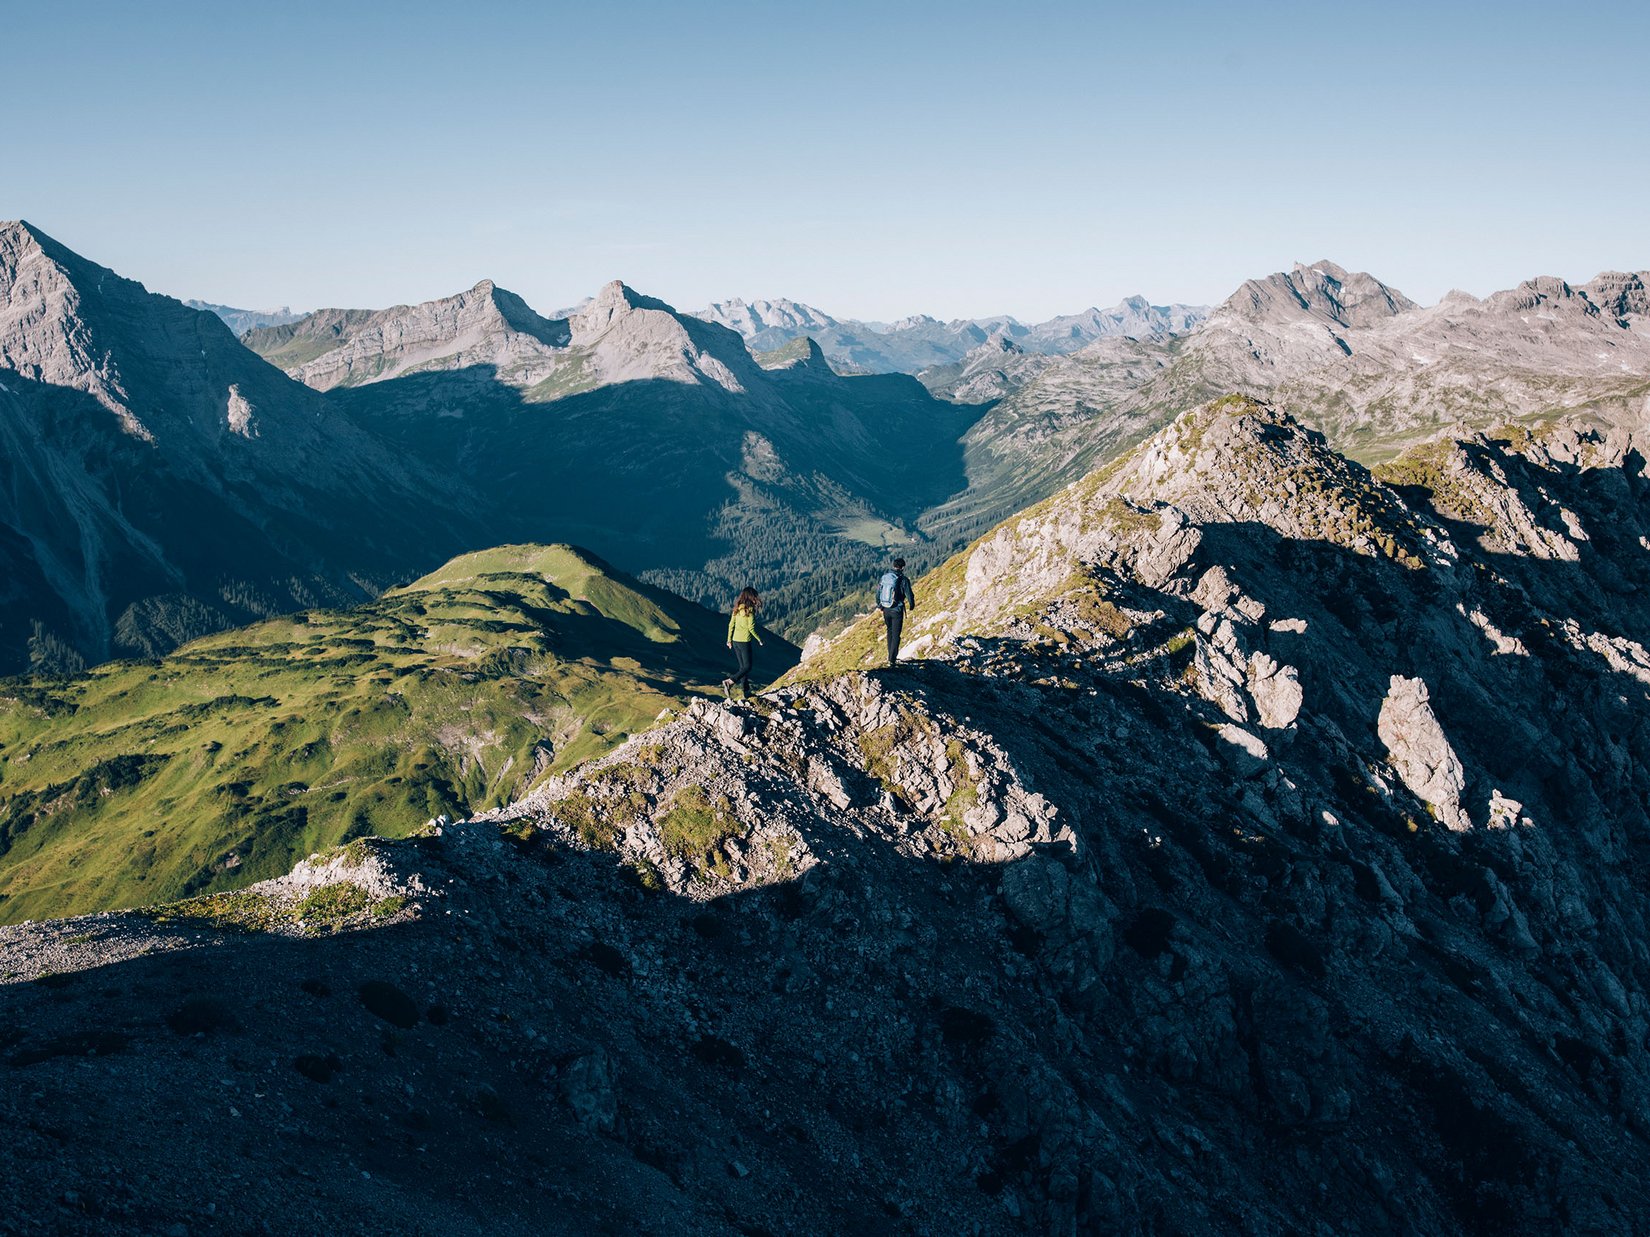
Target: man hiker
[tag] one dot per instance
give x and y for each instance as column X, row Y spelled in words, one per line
column 894, row 598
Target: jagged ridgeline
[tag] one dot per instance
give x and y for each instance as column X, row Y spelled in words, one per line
column 223, row 762
column 1344, row 352
column 651, row 435
column 167, row 480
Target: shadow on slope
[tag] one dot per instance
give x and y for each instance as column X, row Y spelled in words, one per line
column 148, row 547
column 700, row 489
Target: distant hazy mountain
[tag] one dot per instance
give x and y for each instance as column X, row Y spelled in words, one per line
column 162, row 481
column 243, row 320
column 1134, row 316
column 922, row 343
column 766, row 325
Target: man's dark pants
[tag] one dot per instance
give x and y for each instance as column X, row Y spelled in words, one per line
column 894, row 617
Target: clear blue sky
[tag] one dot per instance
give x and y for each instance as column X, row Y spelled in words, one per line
column 874, row 159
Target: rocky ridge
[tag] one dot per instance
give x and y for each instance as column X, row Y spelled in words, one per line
column 617, row 336
column 1352, row 356
column 1256, row 850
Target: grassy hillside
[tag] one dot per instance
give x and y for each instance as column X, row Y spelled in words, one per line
column 221, row 763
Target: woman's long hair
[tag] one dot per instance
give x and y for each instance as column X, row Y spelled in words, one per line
column 748, row 601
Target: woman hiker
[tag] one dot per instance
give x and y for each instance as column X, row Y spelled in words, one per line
column 741, row 631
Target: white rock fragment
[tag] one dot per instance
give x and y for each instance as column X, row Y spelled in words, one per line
column 1420, row 752
column 1504, row 812
column 1276, row 691
column 240, row 415
column 1503, row 643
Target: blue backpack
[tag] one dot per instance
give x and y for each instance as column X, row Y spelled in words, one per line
column 888, row 591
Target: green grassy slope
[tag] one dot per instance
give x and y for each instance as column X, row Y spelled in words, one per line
column 220, row 764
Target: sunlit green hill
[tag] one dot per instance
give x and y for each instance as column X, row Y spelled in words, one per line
column 221, row 763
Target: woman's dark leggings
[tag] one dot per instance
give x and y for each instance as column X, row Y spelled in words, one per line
column 742, row 657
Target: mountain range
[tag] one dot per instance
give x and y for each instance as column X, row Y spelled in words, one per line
column 653, row 437
column 1352, row 356
column 1251, row 839
column 919, row 344
column 1254, row 841
column 169, row 480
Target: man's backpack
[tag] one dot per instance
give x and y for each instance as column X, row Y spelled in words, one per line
column 888, row 590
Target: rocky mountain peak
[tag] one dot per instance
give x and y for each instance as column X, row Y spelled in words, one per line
column 1620, row 294
column 1544, row 291
column 614, row 301
column 627, row 336
column 912, row 322
column 483, row 325
column 1323, row 291
column 1323, row 268
column 15, row 236
column 67, row 322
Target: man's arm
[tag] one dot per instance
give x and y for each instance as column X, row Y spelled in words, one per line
column 910, row 595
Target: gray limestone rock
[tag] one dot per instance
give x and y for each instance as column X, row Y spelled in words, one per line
column 1421, row 752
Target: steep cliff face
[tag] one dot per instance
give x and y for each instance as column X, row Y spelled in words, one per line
column 161, row 480
column 1256, row 848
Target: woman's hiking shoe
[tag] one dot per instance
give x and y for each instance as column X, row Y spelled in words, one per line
column 727, row 689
